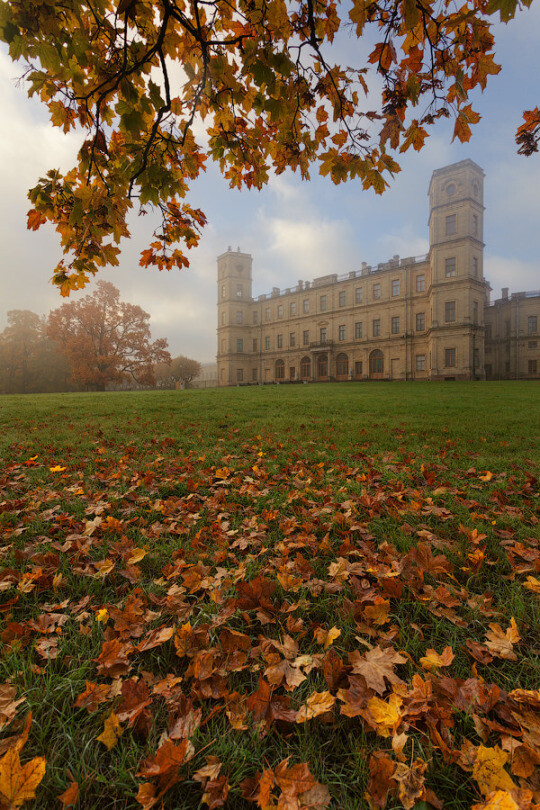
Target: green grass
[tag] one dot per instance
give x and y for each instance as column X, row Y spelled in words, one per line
column 261, row 484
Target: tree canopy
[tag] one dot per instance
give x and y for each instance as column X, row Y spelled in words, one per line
column 106, row 340
column 156, row 87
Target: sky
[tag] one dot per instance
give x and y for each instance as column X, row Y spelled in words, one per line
column 293, row 229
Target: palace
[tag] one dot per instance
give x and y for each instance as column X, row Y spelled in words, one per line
column 414, row 318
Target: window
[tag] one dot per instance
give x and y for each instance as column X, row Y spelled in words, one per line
column 358, row 330
column 342, row 365
column 342, row 332
column 450, row 311
column 532, row 344
column 267, row 343
column 223, row 291
column 395, row 325
column 292, row 308
column 420, row 362
column 280, row 311
column 223, row 344
column 450, row 358
column 450, row 267
column 489, row 370
column 450, row 224
column 254, row 344
column 239, row 316
column 254, row 374
column 267, row 313
column 255, row 317
column 475, row 267
column 475, row 311
column 239, row 291
column 532, row 324
column 239, row 375
column 342, row 298
column 395, row 287
column 376, row 292
column 292, row 340
column 420, row 283
column 420, row 321
column 532, row 366
column 305, row 368
column 507, row 327
column 475, row 225
column 280, row 370
column 306, row 305
column 358, row 368
column 376, row 327
column 323, row 303
column 239, row 345
column 488, row 331
column 358, row 295
column 222, row 318
column 305, row 337
column 323, row 334
column 280, row 341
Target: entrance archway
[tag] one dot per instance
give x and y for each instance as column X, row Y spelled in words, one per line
column 376, row 365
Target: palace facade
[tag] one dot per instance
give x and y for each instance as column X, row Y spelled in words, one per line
column 413, row 318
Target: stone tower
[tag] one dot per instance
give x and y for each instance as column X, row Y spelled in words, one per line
column 234, row 308
column 458, row 291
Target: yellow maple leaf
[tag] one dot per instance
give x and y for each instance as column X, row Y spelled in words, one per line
column 18, row 782
column 498, row 800
column 489, row 772
column 102, row 616
column 137, row 554
column 58, row 468
column 316, row 704
column 432, row 660
column 532, row 584
column 387, row 715
column 326, row 637
column 112, row 730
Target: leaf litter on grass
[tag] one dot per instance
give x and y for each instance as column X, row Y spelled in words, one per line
column 207, row 596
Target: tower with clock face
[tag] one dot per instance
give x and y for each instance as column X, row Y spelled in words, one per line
column 458, row 291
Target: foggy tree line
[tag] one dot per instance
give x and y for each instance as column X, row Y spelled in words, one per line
column 96, row 343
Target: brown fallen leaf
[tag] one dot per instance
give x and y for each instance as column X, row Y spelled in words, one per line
column 70, row 796
column 410, row 782
column 377, row 666
column 501, row 643
column 8, row 704
column 93, row 696
column 155, row 638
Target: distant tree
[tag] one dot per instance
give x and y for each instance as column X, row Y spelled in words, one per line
column 106, row 340
column 181, row 370
column 29, row 360
column 157, row 87
column 184, row 370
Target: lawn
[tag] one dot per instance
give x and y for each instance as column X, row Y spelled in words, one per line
column 278, row 597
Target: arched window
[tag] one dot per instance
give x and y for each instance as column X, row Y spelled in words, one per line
column 280, row 370
column 322, row 365
column 342, row 365
column 376, row 363
column 305, row 368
